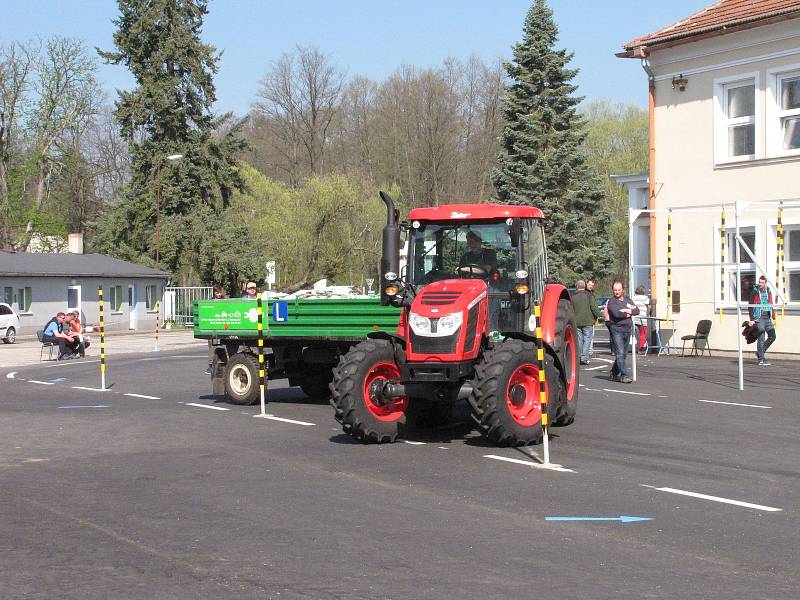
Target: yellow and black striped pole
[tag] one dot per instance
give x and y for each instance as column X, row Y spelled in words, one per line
column 780, row 266
column 722, row 266
column 537, row 312
column 669, row 266
column 102, row 338
column 158, row 319
column 261, row 367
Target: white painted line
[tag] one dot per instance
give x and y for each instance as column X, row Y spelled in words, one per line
column 593, row 390
column 735, row 404
column 714, row 498
column 88, row 389
column 527, row 463
column 70, row 363
column 142, row 396
column 624, row 392
column 608, row 360
column 282, row 420
column 414, row 443
column 41, row 382
column 206, row 406
column 663, row 396
column 596, row 368
column 443, row 447
column 11, row 375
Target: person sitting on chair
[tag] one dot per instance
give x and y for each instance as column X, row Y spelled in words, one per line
column 477, row 260
column 68, row 345
column 74, row 327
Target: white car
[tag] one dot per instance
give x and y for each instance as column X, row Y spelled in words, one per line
column 9, row 324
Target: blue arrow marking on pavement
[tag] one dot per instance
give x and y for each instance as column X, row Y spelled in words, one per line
column 621, row 519
column 87, row 406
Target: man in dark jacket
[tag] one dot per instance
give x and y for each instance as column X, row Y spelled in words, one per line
column 586, row 315
column 620, row 310
column 761, row 317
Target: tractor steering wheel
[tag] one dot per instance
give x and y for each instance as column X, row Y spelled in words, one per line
column 472, row 270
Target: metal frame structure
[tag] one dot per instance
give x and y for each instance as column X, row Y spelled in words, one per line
column 739, row 208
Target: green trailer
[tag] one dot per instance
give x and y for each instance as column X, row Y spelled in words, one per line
column 303, row 339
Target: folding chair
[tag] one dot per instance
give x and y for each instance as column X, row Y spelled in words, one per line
column 699, row 339
column 51, row 346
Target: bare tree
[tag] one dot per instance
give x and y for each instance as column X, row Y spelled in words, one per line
column 67, row 96
column 300, row 97
column 16, row 63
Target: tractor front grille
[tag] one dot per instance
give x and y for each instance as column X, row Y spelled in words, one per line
column 439, row 298
column 434, row 345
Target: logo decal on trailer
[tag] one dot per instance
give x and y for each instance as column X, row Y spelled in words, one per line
column 459, row 215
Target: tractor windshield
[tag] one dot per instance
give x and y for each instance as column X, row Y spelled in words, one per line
column 452, row 250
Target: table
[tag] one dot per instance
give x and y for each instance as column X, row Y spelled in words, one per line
column 664, row 346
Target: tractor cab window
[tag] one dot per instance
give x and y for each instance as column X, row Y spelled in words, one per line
column 448, row 251
column 534, row 258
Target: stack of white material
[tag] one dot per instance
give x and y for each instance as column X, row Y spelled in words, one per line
column 321, row 290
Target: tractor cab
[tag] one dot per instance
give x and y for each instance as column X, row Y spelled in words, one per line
column 503, row 246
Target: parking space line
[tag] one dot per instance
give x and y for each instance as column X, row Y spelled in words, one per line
column 282, row 420
column 735, row 404
column 70, row 363
column 206, row 406
column 713, row 498
column 608, row 360
column 40, row 382
column 625, row 392
column 142, row 396
column 87, row 406
column 11, row 375
column 414, row 443
column 596, row 368
column 527, row 463
column 87, row 389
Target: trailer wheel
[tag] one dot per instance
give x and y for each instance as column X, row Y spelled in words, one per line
column 241, row 379
column 505, row 398
column 356, row 378
column 566, row 346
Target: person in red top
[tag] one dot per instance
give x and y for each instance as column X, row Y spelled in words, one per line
column 761, row 316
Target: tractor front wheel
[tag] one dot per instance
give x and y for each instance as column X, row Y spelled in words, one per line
column 357, row 382
column 505, row 397
column 566, row 345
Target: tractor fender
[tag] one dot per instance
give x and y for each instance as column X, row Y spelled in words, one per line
column 392, row 338
column 553, row 292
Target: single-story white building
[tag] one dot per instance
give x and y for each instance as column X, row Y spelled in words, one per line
column 38, row 286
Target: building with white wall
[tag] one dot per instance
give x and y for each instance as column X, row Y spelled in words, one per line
column 724, row 88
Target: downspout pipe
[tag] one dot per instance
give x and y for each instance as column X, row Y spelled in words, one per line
column 651, row 196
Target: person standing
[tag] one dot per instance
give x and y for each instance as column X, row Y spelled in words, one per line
column 642, row 302
column 250, row 291
column 760, row 310
column 620, row 310
column 219, row 294
column 586, row 315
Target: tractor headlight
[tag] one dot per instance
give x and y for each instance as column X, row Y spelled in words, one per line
column 449, row 324
column 419, row 324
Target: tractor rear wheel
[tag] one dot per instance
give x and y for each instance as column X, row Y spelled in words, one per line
column 241, row 379
column 505, row 397
column 566, row 347
column 357, row 381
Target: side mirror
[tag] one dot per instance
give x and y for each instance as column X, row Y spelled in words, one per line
column 514, row 232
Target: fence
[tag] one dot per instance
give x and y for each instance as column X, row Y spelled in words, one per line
column 178, row 303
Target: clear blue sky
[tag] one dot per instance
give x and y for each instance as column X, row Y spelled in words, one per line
column 372, row 37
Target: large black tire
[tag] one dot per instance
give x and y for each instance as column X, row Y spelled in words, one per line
column 241, row 379
column 363, row 416
column 566, row 348
column 317, row 385
column 505, row 393
column 11, row 336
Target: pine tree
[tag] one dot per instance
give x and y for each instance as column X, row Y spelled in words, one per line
column 542, row 160
column 169, row 112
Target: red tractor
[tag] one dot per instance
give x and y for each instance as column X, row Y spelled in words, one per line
column 473, row 276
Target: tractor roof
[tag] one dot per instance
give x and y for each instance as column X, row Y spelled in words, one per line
column 476, row 212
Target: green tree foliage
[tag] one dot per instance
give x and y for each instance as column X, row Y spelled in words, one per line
column 542, row 161
column 329, row 227
column 168, row 113
column 617, row 144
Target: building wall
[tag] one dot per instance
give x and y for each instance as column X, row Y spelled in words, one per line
column 692, row 170
column 49, row 296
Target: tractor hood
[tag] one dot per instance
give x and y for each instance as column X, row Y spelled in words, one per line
column 448, row 296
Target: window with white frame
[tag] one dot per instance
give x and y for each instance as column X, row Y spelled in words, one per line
column 24, row 299
column 747, row 272
column 791, row 256
column 116, row 298
column 151, row 297
column 788, row 110
column 740, row 118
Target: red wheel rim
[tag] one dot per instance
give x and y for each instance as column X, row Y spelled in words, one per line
column 571, row 356
column 392, row 410
column 525, row 408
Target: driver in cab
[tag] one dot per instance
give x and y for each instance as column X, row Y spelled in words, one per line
column 477, row 260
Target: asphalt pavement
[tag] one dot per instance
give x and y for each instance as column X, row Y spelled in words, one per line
column 676, row 486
